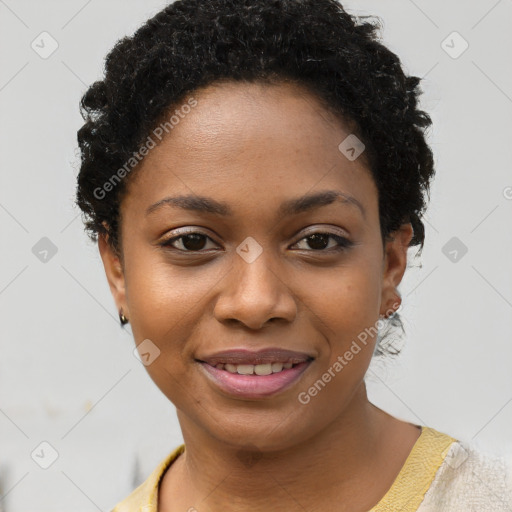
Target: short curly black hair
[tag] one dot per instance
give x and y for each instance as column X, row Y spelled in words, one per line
column 189, row 44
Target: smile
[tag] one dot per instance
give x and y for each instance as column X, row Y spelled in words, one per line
column 254, row 369
column 253, row 381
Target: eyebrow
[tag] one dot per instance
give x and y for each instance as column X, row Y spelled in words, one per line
column 301, row 204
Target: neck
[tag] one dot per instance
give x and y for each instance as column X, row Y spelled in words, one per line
column 347, row 460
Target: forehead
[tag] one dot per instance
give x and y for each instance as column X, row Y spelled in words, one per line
column 238, row 116
column 249, row 139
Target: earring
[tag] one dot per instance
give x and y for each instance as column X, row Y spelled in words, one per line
column 122, row 319
column 396, row 306
column 391, row 312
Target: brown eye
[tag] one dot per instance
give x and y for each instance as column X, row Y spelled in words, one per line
column 320, row 242
column 190, row 242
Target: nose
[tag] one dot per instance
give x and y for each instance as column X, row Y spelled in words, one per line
column 254, row 294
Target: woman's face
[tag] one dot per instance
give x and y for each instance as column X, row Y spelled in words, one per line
column 254, row 172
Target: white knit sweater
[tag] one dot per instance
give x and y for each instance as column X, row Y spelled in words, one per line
column 469, row 481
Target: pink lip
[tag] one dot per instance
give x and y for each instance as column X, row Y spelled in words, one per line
column 254, row 386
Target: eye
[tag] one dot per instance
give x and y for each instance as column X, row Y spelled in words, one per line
column 322, row 242
column 198, row 242
column 188, row 242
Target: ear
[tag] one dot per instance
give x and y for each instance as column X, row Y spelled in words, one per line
column 114, row 272
column 394, row 265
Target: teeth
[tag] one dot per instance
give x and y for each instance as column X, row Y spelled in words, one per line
column 251, row 369
column 245, row 369
column 277, row 367
column 263, row 369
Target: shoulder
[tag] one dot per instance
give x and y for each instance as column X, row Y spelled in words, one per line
column 145, row 497
column 469, row 480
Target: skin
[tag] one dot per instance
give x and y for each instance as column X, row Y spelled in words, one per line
column 254, row 146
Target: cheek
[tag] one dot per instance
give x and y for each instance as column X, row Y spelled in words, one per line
column 345, row 300
column 348, row 315
column 165, row 302
column 162, row 296
column 345, row 306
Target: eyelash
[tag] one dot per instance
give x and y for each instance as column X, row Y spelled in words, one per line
column 343, row 243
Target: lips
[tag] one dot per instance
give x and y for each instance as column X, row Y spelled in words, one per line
column 253, row 387
column 249, row 357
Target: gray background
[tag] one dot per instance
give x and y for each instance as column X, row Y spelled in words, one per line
column 68, row 376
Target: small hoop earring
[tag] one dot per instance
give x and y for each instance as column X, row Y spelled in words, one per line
column 397, row 304
column 122, row 319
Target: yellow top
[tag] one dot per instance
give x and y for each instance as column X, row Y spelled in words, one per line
column 405, row 494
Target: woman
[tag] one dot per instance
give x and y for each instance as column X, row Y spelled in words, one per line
column 254, row 172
